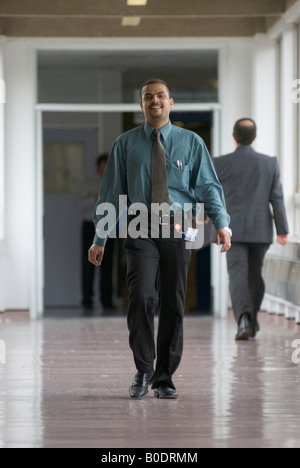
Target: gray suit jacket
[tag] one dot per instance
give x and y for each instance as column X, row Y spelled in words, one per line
column 251, row 183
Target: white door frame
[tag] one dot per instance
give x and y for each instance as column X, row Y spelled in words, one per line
column 37, row 287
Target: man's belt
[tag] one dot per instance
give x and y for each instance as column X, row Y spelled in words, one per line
column 165, row 220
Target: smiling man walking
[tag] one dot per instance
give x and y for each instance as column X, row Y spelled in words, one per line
column 159, row 164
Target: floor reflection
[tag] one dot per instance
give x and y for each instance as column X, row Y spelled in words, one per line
column 256, row 398
column 65, row 384
column 21, row 424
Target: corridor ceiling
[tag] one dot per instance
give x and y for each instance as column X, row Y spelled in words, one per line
column 158, row 18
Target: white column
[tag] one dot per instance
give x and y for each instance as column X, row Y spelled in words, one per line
column 265, row 94
column 20, row 189
column 2, row 178
column 296, row 101
column 288, row 130
column 235, row 78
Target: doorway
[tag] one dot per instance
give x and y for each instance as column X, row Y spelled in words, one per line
column 68, row 155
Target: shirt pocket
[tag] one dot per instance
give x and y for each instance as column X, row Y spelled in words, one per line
column 178, row 178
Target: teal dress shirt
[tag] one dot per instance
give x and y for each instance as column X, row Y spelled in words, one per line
column 191, row 175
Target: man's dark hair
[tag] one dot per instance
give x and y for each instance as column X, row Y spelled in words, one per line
column 245, row 131
column 102, row 158
column 155, row 81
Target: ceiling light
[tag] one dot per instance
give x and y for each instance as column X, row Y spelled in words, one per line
column 137, row 2
column 131, row 20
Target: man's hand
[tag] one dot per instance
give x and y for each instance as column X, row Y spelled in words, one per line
column 283, row 240
column 96, row 253
column 224, row 235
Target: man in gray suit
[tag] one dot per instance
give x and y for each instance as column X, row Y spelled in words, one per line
column 251, row 183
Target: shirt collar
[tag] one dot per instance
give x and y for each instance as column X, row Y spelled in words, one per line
column 165, row 131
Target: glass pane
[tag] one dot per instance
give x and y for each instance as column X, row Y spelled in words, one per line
column 115, row 77
column 63, row 166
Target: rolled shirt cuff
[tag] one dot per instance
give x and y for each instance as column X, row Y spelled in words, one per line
column 100, row 242
column 222, row 222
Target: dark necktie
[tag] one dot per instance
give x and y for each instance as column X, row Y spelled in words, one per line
column 159, row 180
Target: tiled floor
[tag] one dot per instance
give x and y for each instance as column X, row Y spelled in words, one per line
column 65, row 384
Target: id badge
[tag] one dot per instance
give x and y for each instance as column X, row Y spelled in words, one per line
column 191, row 235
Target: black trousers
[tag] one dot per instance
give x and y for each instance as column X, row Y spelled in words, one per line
column 88, row 270
column 157, row 279
column 247, row 287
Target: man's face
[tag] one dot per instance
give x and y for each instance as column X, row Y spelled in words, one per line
column 156, row 104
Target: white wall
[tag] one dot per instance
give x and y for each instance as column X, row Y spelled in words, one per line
column 266, row 93
column 235, row 81
column 2, row 179
column 288, row 130
column 276, row 67
column 19, row 68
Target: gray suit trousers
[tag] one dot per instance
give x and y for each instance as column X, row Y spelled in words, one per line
column 247, row 288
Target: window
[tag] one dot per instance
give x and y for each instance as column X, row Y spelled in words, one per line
column 101, row 77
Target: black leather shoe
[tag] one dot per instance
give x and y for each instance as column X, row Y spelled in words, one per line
column 166, row 393
column 245, row 330
column 139, row 387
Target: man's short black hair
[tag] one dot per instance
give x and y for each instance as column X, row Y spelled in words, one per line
column 245, row 131
column 155, row 81
column 102, row 158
